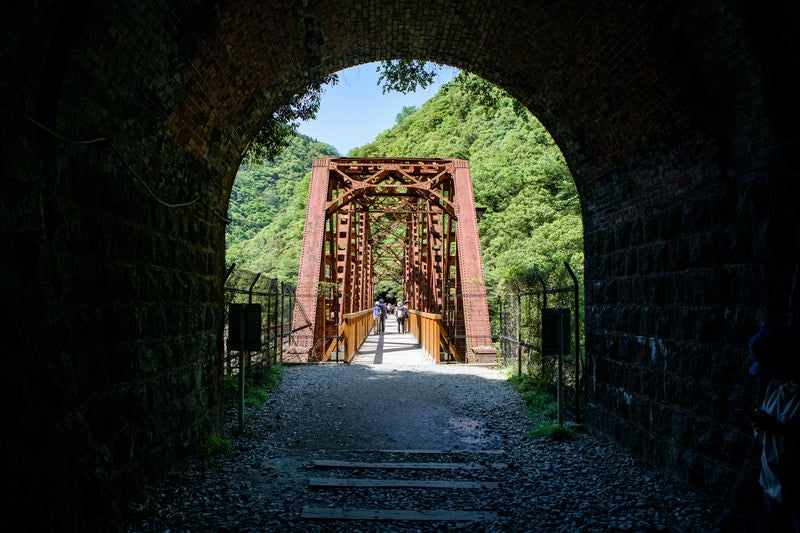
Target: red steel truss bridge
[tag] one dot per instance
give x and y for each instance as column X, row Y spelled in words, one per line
column 408, row 220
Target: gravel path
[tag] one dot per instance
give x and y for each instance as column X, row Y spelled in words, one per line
column 405, row 410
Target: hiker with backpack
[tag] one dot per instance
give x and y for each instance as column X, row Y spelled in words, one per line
column 402, row 313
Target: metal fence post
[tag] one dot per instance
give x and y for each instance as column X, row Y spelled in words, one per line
column 560, row 378
column 283, row 320
column 519, row 334
column 242, row 315
column 576, row 304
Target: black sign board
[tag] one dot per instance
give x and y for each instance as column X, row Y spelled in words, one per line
column 555, row 331
column 244, row 320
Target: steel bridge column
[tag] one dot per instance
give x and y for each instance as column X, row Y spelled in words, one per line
column 305, row 311
column 344, row 262
column 407, row 288
column 359, row 268
column 413, row 274
column 473, row 289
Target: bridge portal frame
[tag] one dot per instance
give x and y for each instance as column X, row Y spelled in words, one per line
column 416, row 219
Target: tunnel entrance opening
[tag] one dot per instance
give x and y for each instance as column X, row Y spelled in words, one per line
column 496, row 189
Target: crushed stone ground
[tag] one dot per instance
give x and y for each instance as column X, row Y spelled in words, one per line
column 406, row 409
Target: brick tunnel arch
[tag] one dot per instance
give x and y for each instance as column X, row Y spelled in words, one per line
column 676, row 121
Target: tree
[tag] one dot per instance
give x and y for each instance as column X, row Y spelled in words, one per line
column 532, row 217
column 407, row 111
column 267, row 210
column 405, row 75
column 276, row 135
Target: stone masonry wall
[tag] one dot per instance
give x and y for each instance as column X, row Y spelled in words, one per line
column 676, row 119
column 112, row 370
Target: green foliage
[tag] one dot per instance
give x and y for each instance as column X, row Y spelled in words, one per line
column 277, row 134
column 260, row 380
column 540, row 403
column 532, row 220
column 537, row 394
column 401, row 75
column 406, row 112
column 273, row 377
column 532, row 217
column 487, row 95
column 390, row 289
column 553, row 432
column 267, row 210
column 406, row 75
column 269, row 142
column 255, row 397
column 213, row 445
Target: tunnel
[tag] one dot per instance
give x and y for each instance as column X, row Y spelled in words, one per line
column 124, row 124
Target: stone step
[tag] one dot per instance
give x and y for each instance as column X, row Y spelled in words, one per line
column 397, row 466
column 433, row 515
column 402, row 515
column 331, row 482
column 436, row 452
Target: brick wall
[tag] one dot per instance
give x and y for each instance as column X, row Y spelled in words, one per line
column 111, row 366
column 675, row 119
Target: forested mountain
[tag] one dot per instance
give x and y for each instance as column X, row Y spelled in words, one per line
column 532, row 217
column 268, row 210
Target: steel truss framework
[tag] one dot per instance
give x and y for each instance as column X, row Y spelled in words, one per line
column 408, row 220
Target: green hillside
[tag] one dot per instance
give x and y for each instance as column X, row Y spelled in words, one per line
column 268, row 210
column 532, row 218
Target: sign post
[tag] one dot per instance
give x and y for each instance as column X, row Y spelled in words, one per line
column 244, row 335
column 555, row 341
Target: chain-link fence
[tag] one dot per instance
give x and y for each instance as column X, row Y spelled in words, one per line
column 538, row 326
column 275, row 301
column 258, row 321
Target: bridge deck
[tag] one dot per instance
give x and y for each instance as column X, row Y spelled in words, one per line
column 391, row 348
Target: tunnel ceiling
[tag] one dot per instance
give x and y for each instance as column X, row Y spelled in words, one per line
column 606, row 80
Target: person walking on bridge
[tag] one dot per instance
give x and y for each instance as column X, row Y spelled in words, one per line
column 377, row 318
column 384, row 313
column 402, row 313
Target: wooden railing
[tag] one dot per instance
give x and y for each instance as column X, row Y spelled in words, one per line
column 427, row 329
column 352, row 332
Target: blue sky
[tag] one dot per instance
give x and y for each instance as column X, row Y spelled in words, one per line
column 354, row 111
